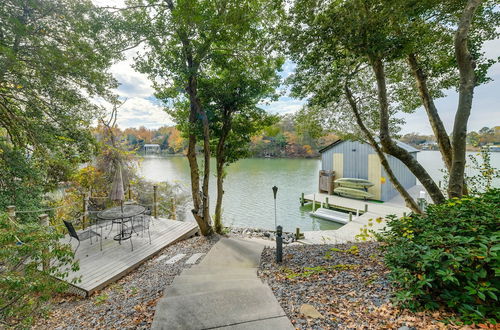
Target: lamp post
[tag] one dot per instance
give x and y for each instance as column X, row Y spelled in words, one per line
column 275, row 191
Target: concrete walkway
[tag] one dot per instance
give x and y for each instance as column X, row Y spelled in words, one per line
column 222, row 292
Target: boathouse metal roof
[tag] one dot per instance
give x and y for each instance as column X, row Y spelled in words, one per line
column 400, row 144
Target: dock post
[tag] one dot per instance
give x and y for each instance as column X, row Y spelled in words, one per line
column 297, row 234
column 155, row 204
column 314, row 202
column 366, row 207
column 327, row 204
column 350, row 216
column 302, row 199
column 43, row 220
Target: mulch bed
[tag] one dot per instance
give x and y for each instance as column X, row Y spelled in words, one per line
column 130, row 302
column 346, row 283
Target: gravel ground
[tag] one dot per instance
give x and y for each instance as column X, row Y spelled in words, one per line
column 346, row 283
column 128, row 303
column 259, row 233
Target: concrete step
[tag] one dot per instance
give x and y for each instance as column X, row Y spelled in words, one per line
column 275, row 323
column 181, row 289
column 216, row 309
column 198, row 270
column 191, row 278
column 234, row 253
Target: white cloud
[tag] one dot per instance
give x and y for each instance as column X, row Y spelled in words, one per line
column 142, row 112
column 284, row 105
column 132, row 83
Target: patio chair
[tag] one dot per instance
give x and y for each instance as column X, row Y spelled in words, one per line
column 82, row 236
column 141, row 223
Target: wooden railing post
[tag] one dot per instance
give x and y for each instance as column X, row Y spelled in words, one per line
column 174, row 213
column 155, row 203
column 43, row 220
column 129, row 193
column 11, row 212
column 84, row 209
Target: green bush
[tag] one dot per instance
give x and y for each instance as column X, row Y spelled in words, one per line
column 448, row 257
column 24, row 287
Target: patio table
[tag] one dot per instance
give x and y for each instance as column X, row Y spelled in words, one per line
column 121, row 215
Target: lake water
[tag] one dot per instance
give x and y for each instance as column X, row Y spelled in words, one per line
column 248, row 199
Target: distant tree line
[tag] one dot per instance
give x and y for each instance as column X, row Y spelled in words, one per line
column 484, row 136
column 283, row 138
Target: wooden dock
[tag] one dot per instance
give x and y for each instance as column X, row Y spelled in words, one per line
column 369, row 211
column 100, row 268
column 357, row 205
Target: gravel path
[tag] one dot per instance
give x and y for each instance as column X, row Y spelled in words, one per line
column 346, row 283
column 130, row 302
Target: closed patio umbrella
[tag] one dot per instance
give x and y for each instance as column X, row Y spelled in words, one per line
column 117, row 192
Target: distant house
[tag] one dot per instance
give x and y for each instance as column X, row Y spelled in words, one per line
column 151, row 148
column 354, row 159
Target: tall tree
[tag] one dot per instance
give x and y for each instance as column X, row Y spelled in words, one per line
column 187, row 39
column 231, row 95
column 54, row 56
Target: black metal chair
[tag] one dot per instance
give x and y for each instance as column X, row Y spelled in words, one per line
column 141, row 223
column 82, row 236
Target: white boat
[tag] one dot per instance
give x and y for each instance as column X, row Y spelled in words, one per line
column 327, row 214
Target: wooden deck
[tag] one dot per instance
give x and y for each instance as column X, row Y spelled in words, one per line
column 100, row 268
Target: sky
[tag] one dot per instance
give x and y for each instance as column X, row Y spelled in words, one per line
column 142, row 109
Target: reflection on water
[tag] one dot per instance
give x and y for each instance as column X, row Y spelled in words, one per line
column 248, row 198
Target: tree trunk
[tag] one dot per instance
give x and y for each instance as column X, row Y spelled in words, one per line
column 437, row 125
column 220, row 156
column 390, row 147
column 200, row 198
column 466, row 67
column 206, row 169
column 220, row 193
column 410, row 202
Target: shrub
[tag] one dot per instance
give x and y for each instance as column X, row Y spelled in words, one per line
column 448, row 257
column 24, row 287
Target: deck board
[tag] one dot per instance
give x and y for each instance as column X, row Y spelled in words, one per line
column 100, row 268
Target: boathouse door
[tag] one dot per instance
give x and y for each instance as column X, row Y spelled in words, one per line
column 353, row 163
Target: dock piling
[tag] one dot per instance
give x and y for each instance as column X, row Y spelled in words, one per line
column 327, row 204
column 297, row 234
column 350, row 216
column 302, row 199
column 314, row 203
column 366, row 207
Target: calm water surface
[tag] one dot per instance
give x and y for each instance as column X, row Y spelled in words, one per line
column 248, row 198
